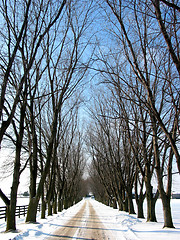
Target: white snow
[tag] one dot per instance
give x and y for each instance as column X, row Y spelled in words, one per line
column 125, row 226
column 40, row 230
column 20, row 201
column 120, row 224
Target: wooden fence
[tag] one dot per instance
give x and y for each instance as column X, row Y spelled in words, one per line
column 20, row 211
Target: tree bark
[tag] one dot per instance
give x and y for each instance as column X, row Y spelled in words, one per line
column 140, row 211
column 60, row 205
column 4, row 198
column 60, row 201
column 55, row 204
column 43, row 209
column 50, row 208
column 166, row 201
column 159, row 170
column 32, row 210
column 130, row 202
column 66, row 203
column 11, row 209
column 151, row 214
column 139, row 198
column 115, row 203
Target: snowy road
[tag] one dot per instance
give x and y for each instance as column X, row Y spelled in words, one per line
column 84, row 225
column 90, row 219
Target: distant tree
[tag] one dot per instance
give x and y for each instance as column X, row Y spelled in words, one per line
column 111, row 154
column 97, row 187
column 26, row 194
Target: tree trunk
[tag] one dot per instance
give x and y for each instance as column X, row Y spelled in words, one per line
column 130, row 203
column 151, row 214
column 125, row 205
column 153, row 210
column 32, row 210
column 11, row 209
column 139, row 203
column 50, row 208
column 33, row 204
column 43, row 209
column 55, row 204
column 139, row 197
column 60, row 205
column 66, row 203
column 120, row 204
column 60, row 202
column 140, row 213
column 115, row 203
column 33, row 165
column 166, row 202
column 124, row 201
column 159, row 170
column 10, row 217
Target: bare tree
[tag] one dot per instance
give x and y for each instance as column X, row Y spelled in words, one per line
column 166, row 19
column 142, row 74
column 65, row 72
column 23, row 35
column 112, row 155
column 38, row 30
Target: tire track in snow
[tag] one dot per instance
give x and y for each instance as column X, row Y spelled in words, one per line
column 85, row 225
column 68, row 230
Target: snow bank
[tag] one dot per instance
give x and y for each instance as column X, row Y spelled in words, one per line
column 42, row 229
column 125, row 226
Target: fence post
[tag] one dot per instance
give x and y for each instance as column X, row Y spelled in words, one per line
column 19, row 211
column 5, row 213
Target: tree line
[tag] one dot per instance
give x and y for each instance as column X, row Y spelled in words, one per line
column 134, row 131
column 42, row 71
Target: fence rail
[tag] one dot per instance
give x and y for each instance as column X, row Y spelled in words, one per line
column 20, row 211
column 2, row 212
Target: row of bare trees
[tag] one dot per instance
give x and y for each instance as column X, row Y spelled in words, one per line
column 47, row 49
column 42, row 67
column 135, row 131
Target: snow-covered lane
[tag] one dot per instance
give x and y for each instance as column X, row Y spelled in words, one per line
column 84, row 225
column 120, row 225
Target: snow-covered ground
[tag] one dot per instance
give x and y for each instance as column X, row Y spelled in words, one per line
column 41, row 229
column 20, row 201
column 121, row 224
column 125, row 226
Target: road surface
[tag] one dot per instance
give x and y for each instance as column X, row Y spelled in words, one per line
column 84, row 225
